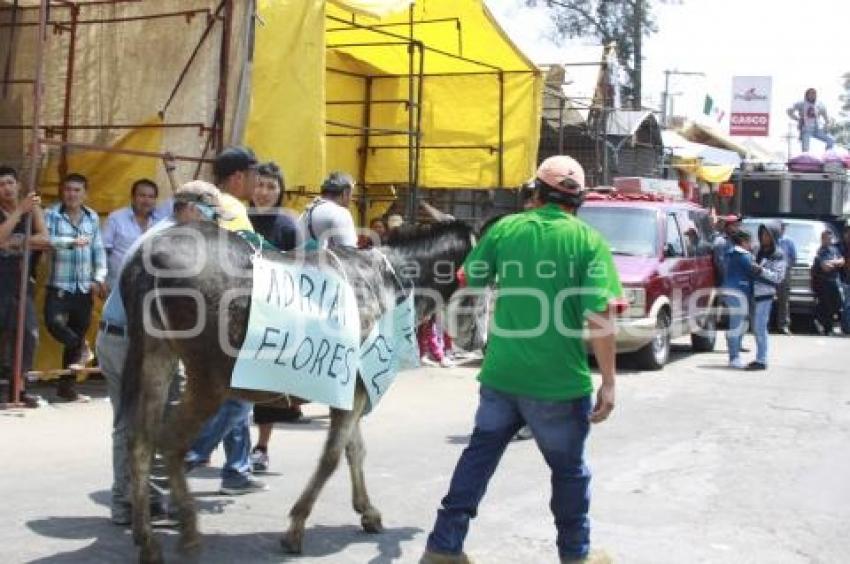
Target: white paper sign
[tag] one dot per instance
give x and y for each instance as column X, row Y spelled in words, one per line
column 303, row 335
column 390, row 347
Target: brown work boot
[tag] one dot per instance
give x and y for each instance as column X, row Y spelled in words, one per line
column 595, row 557
column 430, row 557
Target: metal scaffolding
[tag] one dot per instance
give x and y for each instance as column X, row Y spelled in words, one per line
column 68, row 20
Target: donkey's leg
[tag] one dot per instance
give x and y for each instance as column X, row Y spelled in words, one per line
column 198, row 403
column 355, row 452
column 148, row 360
column 342, row 424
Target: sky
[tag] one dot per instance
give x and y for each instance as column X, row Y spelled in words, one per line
column 799, row 45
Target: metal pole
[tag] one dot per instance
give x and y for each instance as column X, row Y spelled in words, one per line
column 561, row 126
column 411, row 153
column 35, row 153
column 664, row 97
column 116, row 151
column 501, row 129
column 224, row 66
column 419, row 89
column 7, row 71
column 364, row 150
column 69, row 88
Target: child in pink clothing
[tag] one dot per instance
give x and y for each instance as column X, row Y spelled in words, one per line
column 434, row 343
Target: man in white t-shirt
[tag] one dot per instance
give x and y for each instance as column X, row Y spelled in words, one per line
column 327, row 221
column 807, row 114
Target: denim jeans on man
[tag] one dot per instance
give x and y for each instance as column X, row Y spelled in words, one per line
column 738, row 310
column 560, row 429
column 230, row 425
column 761, row 320
column 806, row 136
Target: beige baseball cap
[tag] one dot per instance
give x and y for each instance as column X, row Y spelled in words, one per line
column 554, row 171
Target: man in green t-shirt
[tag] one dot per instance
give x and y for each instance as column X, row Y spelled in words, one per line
column 555, row 277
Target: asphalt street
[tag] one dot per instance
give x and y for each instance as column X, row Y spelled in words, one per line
column 698, row 464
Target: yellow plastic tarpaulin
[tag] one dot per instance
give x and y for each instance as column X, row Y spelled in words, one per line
column 480, row 96
column 286, row 123
column 715, row 173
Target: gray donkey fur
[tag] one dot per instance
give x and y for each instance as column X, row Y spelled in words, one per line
column 375, row 276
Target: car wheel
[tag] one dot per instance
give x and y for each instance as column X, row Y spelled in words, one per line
column 657, row 352
column 705, row 340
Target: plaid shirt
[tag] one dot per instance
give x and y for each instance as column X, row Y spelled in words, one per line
column 74, row 269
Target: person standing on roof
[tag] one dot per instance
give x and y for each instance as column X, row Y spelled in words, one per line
column 807, row 113
column 327, row 222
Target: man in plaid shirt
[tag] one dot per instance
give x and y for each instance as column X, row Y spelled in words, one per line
column 78, row 272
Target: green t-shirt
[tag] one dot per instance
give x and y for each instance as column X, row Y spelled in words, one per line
column 551, row 269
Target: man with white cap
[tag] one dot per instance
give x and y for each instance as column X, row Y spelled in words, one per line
column 555, row 275
column 194, row 201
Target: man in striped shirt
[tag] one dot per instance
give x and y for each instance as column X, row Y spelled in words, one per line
column 78, row 272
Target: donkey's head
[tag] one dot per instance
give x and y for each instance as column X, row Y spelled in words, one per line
column 429, row 257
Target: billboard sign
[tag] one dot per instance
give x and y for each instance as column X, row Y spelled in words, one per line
column 750, row 116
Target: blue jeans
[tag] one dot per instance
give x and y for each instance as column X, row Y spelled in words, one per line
column 560, row 429
column 738, row 308
column 230, row 425
column 761, row 319
column 806, row 137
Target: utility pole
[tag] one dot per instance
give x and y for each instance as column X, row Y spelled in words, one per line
column 665, row 96
column 637, row 39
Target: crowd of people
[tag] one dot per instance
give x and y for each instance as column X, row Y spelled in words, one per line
column 756, row 280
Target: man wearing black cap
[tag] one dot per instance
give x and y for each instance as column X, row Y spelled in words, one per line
column 327, row 221
column 235, row 170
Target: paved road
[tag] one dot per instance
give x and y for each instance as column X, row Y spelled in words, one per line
column 700, row 464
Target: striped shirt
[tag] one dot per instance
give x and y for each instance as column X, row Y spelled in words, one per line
column 75, row 268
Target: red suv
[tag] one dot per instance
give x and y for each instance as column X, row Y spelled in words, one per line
column 663, row 253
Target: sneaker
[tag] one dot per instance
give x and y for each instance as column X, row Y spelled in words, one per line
column 524, row 434
column 786, row 331
column 431, row 557
column 32, row 401
column 594, row 557
column 259, row 460
column 121, row 514
column 86, row 356
column 756, row 365
column 244, row 486
column 192, row 464
column 426, row 361
column 737, row 363
column 819, row 328
column 447, row 362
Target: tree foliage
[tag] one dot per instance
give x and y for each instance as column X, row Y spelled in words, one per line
column 841, row 127
column 609, row 21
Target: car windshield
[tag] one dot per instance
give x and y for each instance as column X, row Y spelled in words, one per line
column 629, row 231
column 804, row 234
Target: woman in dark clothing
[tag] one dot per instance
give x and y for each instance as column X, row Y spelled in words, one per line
column 269, row 220
column 278, row 228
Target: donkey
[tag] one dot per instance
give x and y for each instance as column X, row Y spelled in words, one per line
column 425, row 258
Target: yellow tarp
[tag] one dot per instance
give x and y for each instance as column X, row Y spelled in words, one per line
column 715, row 173
column 287, row 119
column 471, row 69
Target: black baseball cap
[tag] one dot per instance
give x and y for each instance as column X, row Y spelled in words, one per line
column 234, row 159
column 338, row 182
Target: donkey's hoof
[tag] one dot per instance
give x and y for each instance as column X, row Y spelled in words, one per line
column 371, row 522
column 151, row 554
column 190, row 545
column 292, row 543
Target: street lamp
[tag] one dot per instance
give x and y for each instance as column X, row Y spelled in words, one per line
column 666, row 95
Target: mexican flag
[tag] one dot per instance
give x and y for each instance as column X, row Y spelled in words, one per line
column 710, row 109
